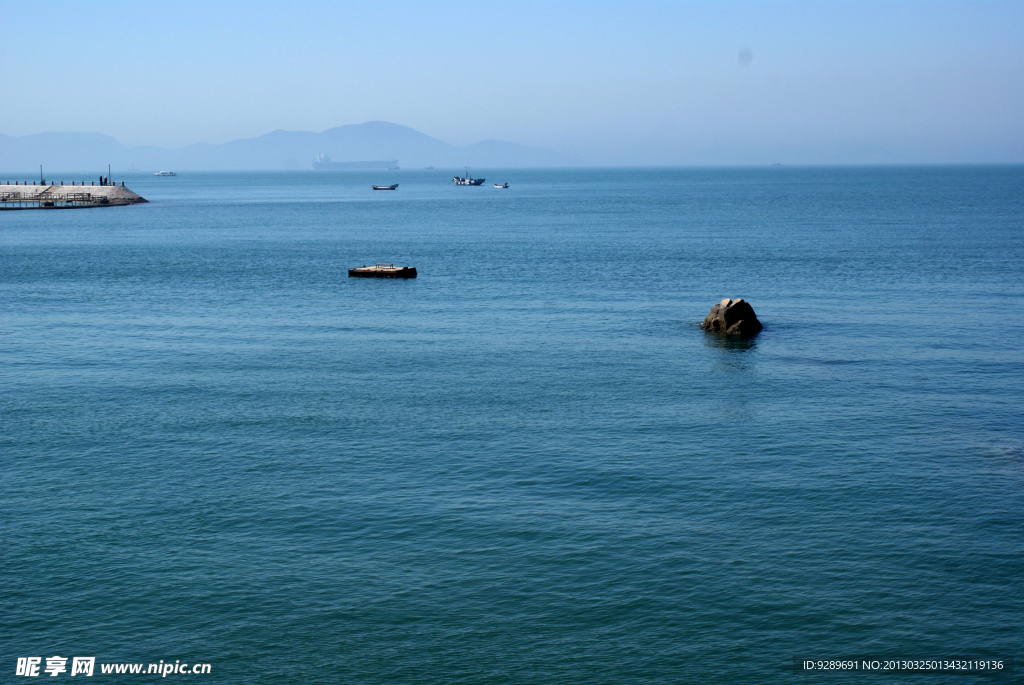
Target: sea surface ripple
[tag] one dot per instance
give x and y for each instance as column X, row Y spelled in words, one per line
column 528, row 465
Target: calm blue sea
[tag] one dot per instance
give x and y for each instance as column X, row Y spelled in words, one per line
column 528, row 465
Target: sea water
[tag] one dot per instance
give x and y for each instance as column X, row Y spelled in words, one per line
column 529, row 464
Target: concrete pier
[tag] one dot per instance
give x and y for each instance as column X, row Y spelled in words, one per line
column 66, row 197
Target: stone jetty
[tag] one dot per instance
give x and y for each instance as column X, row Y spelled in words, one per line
column 66, row 196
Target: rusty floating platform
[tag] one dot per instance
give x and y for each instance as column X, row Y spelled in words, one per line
column 383, row 271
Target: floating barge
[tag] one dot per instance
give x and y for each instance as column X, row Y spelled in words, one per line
column 383, row 271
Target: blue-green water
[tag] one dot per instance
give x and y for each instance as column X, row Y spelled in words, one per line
column 529, row 465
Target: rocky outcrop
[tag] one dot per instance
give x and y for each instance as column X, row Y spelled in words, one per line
column 734, row 318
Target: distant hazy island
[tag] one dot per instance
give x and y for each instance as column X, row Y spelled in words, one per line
column 374, row 140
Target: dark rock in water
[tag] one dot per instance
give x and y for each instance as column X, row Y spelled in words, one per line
column 734, row 318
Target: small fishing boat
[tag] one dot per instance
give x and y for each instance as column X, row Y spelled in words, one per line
column 501, row 185
column 391, row 187
column 468, row 180
column 163, row 173
column 383, row 271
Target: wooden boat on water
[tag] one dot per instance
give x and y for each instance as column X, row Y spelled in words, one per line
column 501, row 185
column 468, row 180
column 383, row 271
column 390, row 187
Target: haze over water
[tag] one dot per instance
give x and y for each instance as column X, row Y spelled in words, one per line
column 529, row 464
column 643, row 83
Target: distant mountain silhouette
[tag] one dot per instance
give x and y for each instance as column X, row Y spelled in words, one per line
column 374, row 140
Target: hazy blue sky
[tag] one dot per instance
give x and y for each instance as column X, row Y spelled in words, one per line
column 652, row 83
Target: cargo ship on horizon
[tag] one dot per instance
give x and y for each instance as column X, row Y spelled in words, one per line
column 323, row 161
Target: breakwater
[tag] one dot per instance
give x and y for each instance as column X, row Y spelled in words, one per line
column 66, row 197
